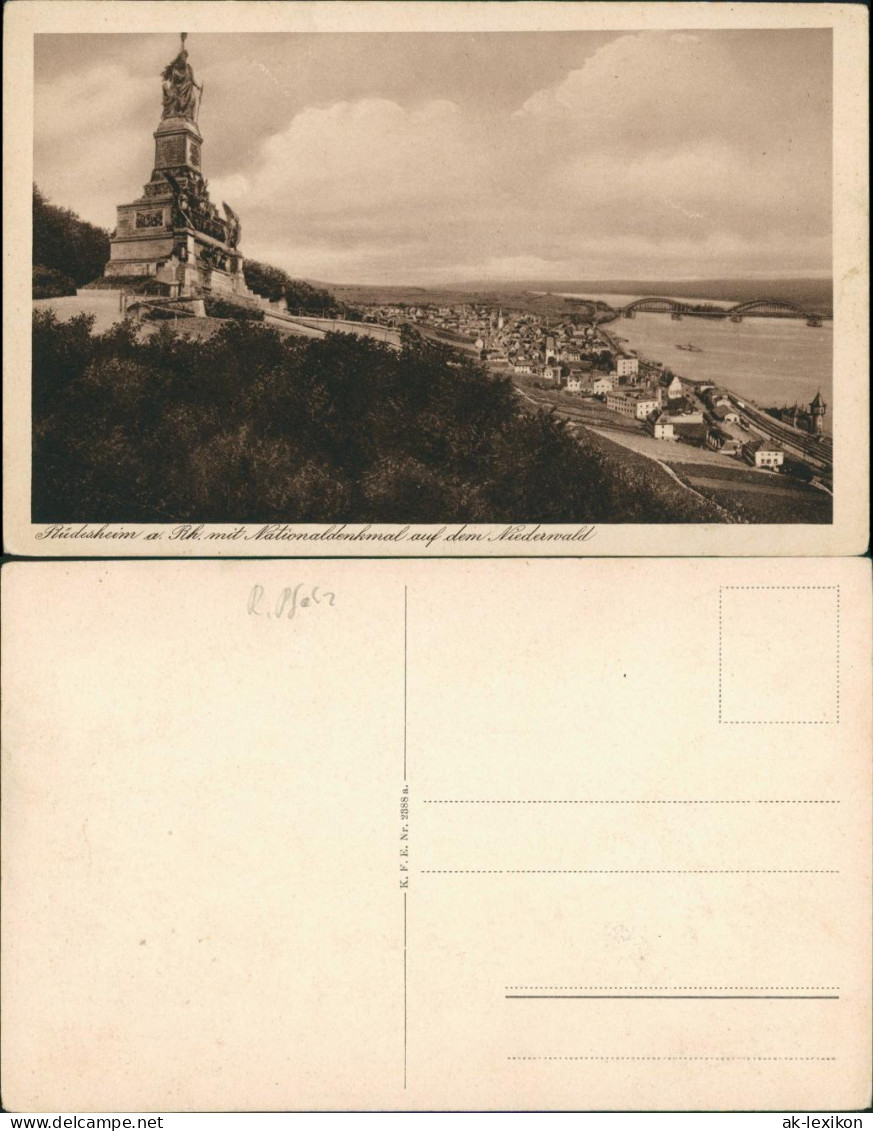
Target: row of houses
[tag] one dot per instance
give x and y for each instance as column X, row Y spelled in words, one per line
column 527, row 343
column 678, row 420
column 637, row 404
column 577, row 376
column 729, row 434
column 588, row 384
column 761, row 452
column 718, row 429
column 693, row 428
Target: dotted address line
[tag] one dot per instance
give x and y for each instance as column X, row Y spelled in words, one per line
column 644, row 801
column 630, row 871
column 671, row 1058
column 672, row 987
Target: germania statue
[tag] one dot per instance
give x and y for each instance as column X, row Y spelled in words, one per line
column 181, row 92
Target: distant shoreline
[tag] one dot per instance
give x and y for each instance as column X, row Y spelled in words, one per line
column 809, row 293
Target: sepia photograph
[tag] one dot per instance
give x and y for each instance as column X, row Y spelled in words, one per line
column 368, row 280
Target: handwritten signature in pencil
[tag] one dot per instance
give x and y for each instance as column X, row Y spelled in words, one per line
column 287, row 602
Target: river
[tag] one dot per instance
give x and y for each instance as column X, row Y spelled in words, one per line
column 772, row 361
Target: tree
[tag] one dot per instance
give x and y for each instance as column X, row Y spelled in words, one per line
column 273, row 283
column 49, row 283
column 604, row 361
column 67, row 244
column 249, row 426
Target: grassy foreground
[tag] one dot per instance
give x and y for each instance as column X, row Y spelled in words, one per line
column 756, row 496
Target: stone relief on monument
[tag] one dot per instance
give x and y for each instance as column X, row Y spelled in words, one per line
column 149, row 219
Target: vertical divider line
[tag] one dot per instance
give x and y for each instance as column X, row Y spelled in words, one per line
column 720, row 591
column 838, row 653
column 405, row 929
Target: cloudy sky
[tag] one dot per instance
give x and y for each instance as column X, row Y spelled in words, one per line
column 438, row 158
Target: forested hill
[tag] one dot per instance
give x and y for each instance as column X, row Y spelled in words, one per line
column 68, row 252
column 273, row 283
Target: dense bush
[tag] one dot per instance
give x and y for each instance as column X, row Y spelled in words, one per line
column 67, row 244
column 227, row 308
column 249, row 426
column 49, row 283
column 797, row 469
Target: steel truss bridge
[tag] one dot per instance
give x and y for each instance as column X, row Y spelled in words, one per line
column 758, row 308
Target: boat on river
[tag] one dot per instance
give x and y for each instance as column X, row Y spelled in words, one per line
column 689, row 348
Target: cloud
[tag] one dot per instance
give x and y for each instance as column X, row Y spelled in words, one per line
column 648, row 87
column 651, row 90
column 79, row 104
column 366, row 181
column 660, row 152
column 87, row 142
column 371, row 152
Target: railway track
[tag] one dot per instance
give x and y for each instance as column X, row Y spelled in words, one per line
column 577, row 416
column 820, row 450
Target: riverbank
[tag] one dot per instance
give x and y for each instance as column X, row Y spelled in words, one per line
column 765, row 361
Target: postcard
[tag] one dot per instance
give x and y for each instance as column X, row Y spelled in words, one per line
column 364, row 279
column 311, row 835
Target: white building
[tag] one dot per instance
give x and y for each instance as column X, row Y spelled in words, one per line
column 601, row 385
column 637, row 406
column 672, row 387
column 661, row 426
column 626, row 366
column 763, row 453
column 575, row 383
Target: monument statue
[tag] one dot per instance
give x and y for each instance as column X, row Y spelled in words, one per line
column 173, row 234
column 181, row 92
